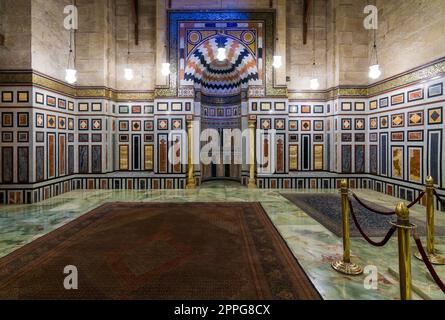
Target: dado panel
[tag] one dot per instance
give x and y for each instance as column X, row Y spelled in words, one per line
column 54, row 142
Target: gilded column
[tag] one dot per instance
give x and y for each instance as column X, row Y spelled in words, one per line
column 252, row 182
column 190, row 178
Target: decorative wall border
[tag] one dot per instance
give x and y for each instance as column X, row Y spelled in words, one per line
column 427, row 71
column 19, row 194
column 35, row 78
column 392, row 187
column 31, row 77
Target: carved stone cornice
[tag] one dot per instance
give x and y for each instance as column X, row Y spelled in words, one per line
column 34, row 78
column 18, row 77
column 308, row 95
column 30, row 77
column 429, row 71
column 134, row 96
column 54, row 85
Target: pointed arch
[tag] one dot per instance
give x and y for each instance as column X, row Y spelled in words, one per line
column 241, row 61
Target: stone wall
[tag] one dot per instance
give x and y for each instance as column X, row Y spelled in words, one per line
column 411, row 33
column 348, row 43
column 91, row 42
column 142, row 58
column 219, row 4
column 299, row 56
column 16, row 52
column 50, row 40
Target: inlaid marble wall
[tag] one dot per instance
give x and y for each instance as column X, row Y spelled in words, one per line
column 387, row 137
column 53, row 143
column 392, row 140
column 49, row 142
column 396, row 136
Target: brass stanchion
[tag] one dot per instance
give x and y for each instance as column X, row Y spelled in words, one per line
column 403, row 233
column 345, row 265
column 190, row 179
column 252, row 181
column 433, row 255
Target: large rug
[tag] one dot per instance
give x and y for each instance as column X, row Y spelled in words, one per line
column 160, row 251
column 326, row 209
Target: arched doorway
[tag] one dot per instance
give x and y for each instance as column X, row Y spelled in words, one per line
column 220, row 111
column 222, row 84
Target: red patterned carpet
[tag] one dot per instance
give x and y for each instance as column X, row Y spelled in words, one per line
column 160, row 251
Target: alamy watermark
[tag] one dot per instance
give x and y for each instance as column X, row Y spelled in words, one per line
column 227, row 146
column 71, row 20
column 372, row 19
column 71, row 280
column 371, row 281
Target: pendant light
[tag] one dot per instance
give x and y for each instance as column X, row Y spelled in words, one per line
column 165, row 69
column 277, row 62
column 221, row 52
column 277, row 59
column 128, row 72
column 71, row 72
column 221, row 55
column 374, row 68
column 314, row 83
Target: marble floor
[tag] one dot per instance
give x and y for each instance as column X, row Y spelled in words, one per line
column 311, row 243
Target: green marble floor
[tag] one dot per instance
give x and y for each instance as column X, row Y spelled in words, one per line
column 311, row 243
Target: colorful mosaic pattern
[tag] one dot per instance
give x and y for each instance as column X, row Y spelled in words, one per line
column 189, row 30
column 203, row 67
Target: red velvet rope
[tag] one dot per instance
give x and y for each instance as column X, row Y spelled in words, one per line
column 420, row 196
column 442, row 201
column 377, row 244
column 387, row 213
column 384, row 213
column 428, row 263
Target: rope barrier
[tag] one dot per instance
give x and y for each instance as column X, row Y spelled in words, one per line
column 428, row 264
column 377, row 244
column 403, row 227
column 442, row 201
column 384, row 213
column 419, row 197
column 387, row 213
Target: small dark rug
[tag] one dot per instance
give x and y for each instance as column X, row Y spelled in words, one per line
column 160, row 251
column 326, row 209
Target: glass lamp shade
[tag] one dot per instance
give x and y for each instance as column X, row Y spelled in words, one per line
column 277, row 62
column 165, row 70
column 221, row 56
column 128, row 74
column 315, row 84
column 70, row 76
column 374, row 71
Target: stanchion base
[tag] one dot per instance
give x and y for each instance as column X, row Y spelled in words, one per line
column 434, row 258
column 252, row 184
column 190, row 186
column 348, row 268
